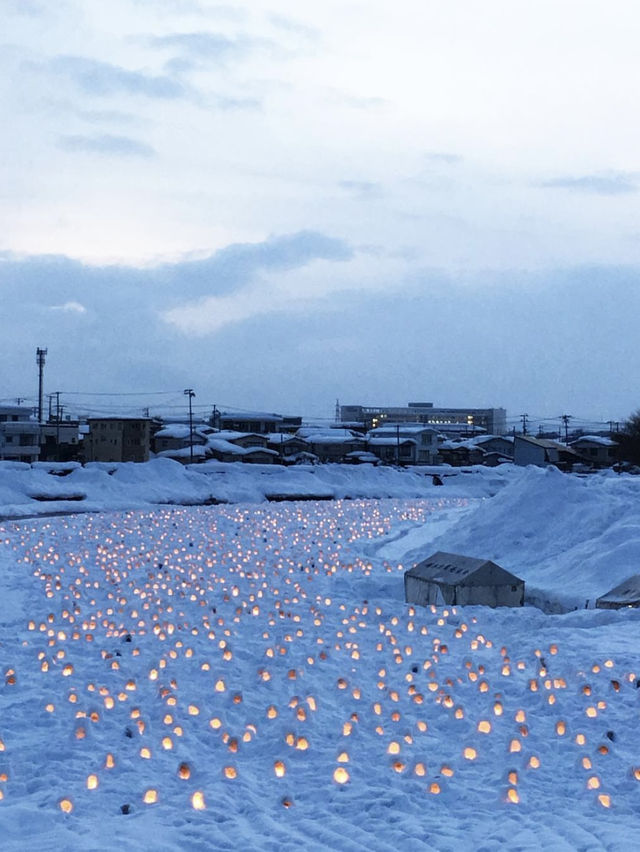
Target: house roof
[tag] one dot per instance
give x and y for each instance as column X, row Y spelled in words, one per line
column 391, row 442
column 594, row 439
column 407, row 428
column 627, row 592
column 455, row 569
column 261, row 416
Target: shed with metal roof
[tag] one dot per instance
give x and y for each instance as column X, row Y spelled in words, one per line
column 453, row 579
column 625, row 594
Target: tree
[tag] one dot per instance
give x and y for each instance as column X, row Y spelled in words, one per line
column 628, row 439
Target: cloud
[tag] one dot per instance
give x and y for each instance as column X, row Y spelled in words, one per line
column 294, row 27
column 104, row 79
column 121, row 146
column 443, row 157
column 70, row 308
column 362, row 188
column 516, row 339
column 610, row 183
column 204, row 45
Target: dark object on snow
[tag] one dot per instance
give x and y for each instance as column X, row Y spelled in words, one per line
column 437, row 480
column 125, row 809
column 625, row 594
column 452, row 579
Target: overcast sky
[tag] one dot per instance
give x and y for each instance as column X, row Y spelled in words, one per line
column 281, row 203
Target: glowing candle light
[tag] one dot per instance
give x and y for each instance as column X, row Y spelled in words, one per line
column 230, row 772
column 65, row 805
column 512, row 796
column 92, row 782
column 605, row 800
column 340, row 775
column 469, row 753
column 150, row 796
column 534, row 762
column 434, row 788
column 484, row 726
column 198, row 801
column 593, row 782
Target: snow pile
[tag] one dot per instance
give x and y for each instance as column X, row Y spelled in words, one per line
column 571, row 539
column 221, row 678
column 27, row 491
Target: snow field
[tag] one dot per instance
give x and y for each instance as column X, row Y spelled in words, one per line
column 250, row 677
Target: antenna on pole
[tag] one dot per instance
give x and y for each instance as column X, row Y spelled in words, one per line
column 41, row 355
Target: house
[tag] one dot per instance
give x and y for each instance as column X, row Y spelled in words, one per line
column 598, row 450
column 404, row 443
column 460, row 453
column 393, row 450
column 503, row 445
column 289, row 447
column 625, row 594
column 19, row 434
column 332, row 445
column 118, row 439
column 224, row 450
column 249, row 421
column 178, row 436
column 452, row 579
column 542, row 452
column 60, row 440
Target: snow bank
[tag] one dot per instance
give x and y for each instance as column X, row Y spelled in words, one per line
column 571, row 539
column 27, row 491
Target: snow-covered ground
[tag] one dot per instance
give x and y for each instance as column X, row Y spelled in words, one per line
column 28, row 490
column 248, row 676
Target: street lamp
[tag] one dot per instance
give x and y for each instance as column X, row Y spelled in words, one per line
column 190, row 393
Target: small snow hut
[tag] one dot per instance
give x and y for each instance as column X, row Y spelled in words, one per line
column 626, row 594
column 448, row 578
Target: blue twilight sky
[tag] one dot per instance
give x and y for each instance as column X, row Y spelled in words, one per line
column 281, row 203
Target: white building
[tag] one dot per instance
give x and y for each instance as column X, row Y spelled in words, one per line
column 19, row 434
column 404, row 443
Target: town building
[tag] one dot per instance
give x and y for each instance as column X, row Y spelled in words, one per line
column 452, row 579
column 118, row 439
column 598, row 450
column 542, row 452
column 404, row 443
column 19, row 434
column 470, row 420
column 249, row 421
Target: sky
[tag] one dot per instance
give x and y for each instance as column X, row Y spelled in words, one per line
column 281, row 204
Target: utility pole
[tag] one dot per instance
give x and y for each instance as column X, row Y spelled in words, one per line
column 524, row 418
column 565, row 419
column 214, row 417
column 337, row 410
column 397, row 443
column 190, row 393
column 57, row 425
column 41, row 355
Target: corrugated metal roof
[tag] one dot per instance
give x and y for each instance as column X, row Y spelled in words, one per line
column 626, row 592
column 456, row 569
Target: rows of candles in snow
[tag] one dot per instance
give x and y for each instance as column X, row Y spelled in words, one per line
column 207, row 646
